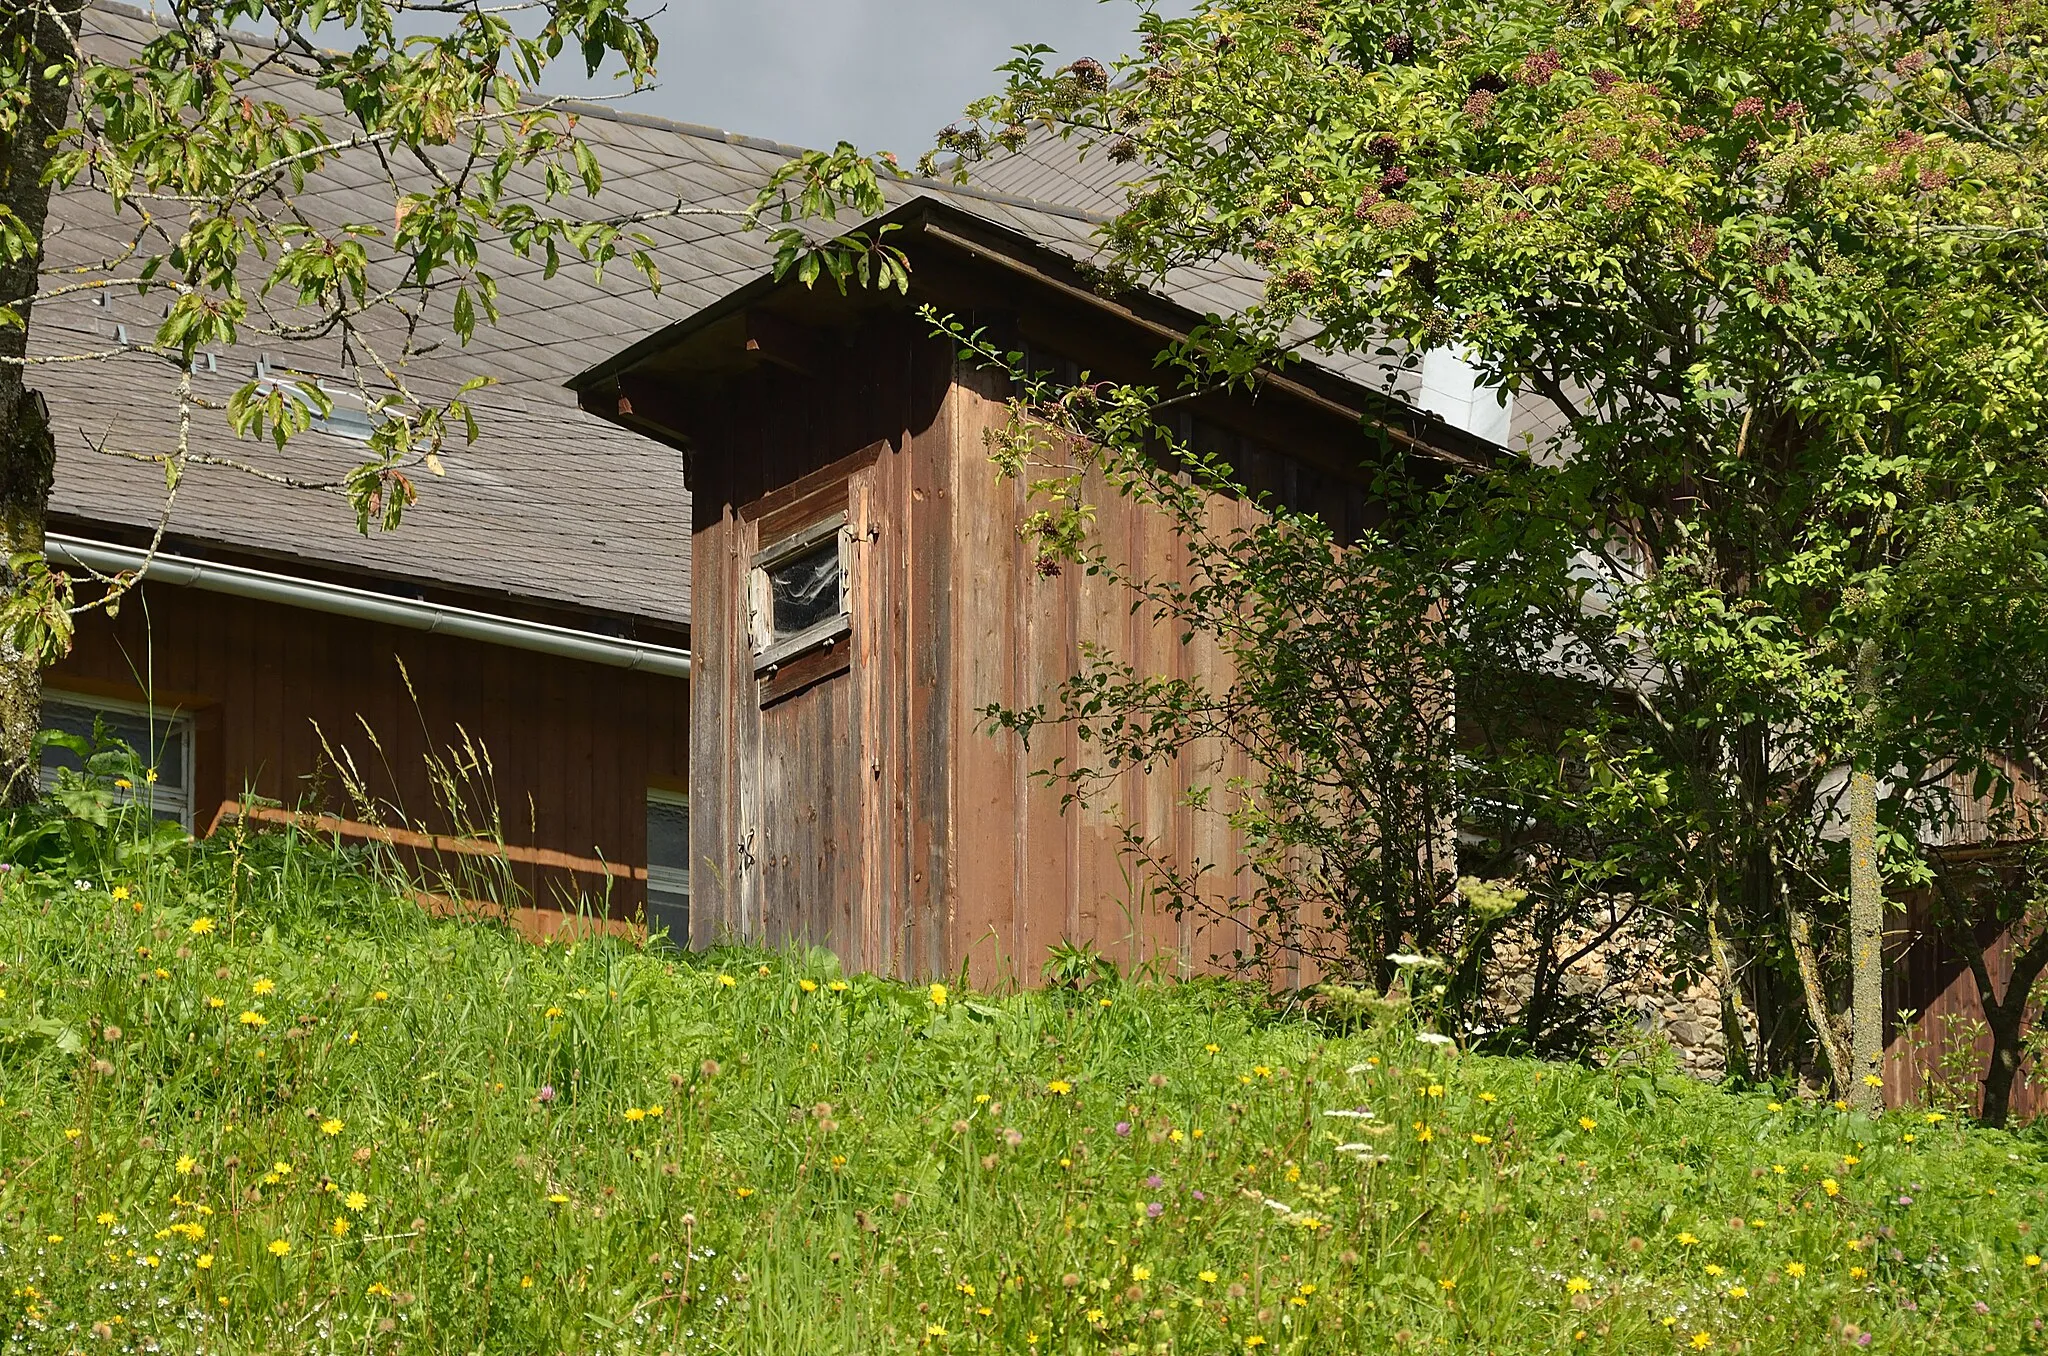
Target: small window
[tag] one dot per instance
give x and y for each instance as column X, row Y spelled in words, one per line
column 161, row 739
column 668, row 864
column 799, row 597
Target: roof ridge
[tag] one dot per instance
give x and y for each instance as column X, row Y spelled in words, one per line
column 602, row 109
column 592, row 107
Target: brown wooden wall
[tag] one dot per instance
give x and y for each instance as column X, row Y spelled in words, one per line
column 857, row 801
column 574, row 746
column 1926, row 976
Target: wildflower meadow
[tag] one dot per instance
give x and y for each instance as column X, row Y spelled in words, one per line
column 256, row 1100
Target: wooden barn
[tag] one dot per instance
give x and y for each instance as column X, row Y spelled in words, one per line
column 863, row 593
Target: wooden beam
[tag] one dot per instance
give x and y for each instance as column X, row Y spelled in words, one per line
column 462, row 847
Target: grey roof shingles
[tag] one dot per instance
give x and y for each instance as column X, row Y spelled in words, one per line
column 551, row 504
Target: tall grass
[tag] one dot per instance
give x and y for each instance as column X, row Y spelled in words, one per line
column 255, row 1100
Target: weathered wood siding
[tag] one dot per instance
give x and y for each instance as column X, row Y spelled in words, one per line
column 870, row 811
column 574, row 746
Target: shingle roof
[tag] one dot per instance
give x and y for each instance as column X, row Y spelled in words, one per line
column 551, row 505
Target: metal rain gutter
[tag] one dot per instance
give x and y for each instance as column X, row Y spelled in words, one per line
column 340, row 600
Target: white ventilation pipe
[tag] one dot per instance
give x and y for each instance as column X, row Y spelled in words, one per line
column 340, row 600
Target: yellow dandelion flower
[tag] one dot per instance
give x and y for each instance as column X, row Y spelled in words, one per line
column 1423, row 1134
column 1857, row 1273
column 200, row 927
column 1872, row 1081
column 1141, row 1272
column 73, row 1132
column 1488, row 1097
column 1255, row 1340
column 1686, row 1240
column 838, row 986
column 1795, row 1269
column 1587, row 1123
column 557, row 1198
column 551, row 1014
column 185, row 1164
column 1449, row 1283
column 1701, row 1341
column 1577, row 1285
column 1482, row 1140
column 250, row 1017
column 808, row 985
column 1737, row 1292
column 1059, row 1087
column 634, row 1113
column 105, row 1218
column 2033, row 1259
column 1713, row 1268
column 379, row 996
column 356, row 1201
column 263, row 986
column 727, row 982
column 1436, row 1090
column 743, row 1192
column 340, row 1226
column 1831, row 1186
column 1775, row 1106
column 121, row 891
column 526, row 1282
column 204, row 1261
column 1934, row 1118
column 330, row 1127
column 937, row 993
column 280, row 1247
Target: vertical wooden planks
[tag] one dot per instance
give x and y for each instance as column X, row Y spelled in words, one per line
column 987, row 638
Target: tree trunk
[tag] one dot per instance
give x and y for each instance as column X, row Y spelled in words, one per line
column 39, row 39
column 2006, row 1017
column 1866, row 919
column 1740, row 1064
column 1801, row 928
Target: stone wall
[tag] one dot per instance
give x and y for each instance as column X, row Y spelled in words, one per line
column 1630, row 975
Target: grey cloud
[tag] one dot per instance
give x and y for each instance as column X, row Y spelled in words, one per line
column 883, row 74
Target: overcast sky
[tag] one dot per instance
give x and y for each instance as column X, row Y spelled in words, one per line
column 883, row 74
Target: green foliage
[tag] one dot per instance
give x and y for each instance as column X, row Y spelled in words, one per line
column 256, row 1101
column 1773, row 271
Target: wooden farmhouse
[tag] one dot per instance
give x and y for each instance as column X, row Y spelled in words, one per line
column 863, row 593
column 534, row 615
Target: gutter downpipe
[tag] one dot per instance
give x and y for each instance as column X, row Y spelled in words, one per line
column 341, row 600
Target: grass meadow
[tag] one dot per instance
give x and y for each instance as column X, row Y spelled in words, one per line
column 254, row 1100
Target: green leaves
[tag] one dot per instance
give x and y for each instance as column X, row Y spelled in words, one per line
column 1763, row 282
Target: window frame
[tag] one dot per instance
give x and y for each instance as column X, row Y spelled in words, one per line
column 162, row 720
column 772, row 651
column 663, row 879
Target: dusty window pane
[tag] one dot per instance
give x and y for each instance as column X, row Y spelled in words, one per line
column 806, row 588
column 668, row 865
